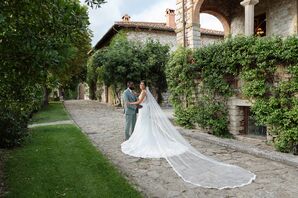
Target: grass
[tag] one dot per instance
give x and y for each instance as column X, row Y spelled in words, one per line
column 59, row 161
column 53, row 112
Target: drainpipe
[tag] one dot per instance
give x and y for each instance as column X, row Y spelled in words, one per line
column 183, row 25
column 297, row 17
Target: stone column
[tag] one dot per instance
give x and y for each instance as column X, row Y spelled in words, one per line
column 249, row 6
column 187, row 30
column 179, row 23
column 194, row 35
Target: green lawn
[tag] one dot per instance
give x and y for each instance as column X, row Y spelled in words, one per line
column 59, row 161
column 53, row 112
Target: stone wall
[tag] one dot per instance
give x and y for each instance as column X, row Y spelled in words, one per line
column 207, row 39
column 237, row 20
column 163, row 37
column 236, row 115
column 282, row 17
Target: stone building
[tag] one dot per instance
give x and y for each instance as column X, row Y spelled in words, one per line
column 249, row 17
column 142, row 31
column 246, row 17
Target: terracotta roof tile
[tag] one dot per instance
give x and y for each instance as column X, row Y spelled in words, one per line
column 209, row 31
column 161, row 26
column 145, row 25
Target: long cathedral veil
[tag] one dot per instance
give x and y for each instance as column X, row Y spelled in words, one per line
column 191, row 165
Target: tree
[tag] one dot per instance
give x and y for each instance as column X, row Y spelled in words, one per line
column 94, row 72
column 121, row 63
column 125, row 60
column 155, row 60
column 38, row 40
column 74, row 48
column 94, row 3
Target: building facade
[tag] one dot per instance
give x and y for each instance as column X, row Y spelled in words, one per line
column 238, row 17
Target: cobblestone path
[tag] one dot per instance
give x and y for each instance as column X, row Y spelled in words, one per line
column 155, row 178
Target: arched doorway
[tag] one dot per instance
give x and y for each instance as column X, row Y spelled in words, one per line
column 213, row 8
column 188, row 19
column 211, row 22
column 221, row 18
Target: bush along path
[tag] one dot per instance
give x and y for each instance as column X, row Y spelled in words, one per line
column 2, row 187
column 59, row 161
column 155, row 178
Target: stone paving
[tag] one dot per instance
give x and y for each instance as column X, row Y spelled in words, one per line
column 253, row 148
column 51, row 123
column 155, row 178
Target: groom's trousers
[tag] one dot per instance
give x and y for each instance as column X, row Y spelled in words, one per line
column 130, row 124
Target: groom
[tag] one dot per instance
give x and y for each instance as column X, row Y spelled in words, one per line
column 130, row 110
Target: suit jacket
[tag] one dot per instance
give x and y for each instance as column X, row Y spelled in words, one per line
column 129, row 97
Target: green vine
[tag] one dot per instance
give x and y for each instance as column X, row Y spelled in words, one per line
column 201, row 82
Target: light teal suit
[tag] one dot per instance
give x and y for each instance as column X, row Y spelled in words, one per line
column 130, row 112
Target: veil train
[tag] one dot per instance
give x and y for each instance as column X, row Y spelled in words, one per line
column 189, row 164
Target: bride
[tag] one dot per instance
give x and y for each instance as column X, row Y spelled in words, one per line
column 155, row 137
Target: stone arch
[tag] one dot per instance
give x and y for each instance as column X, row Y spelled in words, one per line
column 222, row 18
column 196, row 10
column 188, row 18
column 212, row 11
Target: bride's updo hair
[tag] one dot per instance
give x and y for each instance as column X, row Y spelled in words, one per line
column 143, row 81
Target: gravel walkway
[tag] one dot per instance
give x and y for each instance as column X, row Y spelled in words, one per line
column 155, row 178
column 51, row 123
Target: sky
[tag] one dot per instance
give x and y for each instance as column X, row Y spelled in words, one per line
column 101, row 19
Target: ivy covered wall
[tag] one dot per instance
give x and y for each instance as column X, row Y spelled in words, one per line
column 202, row 81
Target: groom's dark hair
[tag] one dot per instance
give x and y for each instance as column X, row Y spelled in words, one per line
column 129, row 83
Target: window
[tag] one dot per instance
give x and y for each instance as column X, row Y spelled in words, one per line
column 249, row 125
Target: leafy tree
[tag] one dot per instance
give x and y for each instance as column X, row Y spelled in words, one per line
column 40, row 42
column 121, row 63
column 94, row 72
column 94, row 3
column 155, row 59
column 125, row 60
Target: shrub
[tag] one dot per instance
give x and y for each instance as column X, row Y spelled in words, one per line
column 13, row 126
column 185, row 116
column 15, row 115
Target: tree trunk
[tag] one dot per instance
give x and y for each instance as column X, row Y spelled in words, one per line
column 159, row 96
column 46, row 93
column 92, row 91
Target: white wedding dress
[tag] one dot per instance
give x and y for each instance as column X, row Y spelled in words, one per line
column 155, row 137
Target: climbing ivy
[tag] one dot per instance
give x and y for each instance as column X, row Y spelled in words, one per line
column 201, row 81
column 181, row 84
